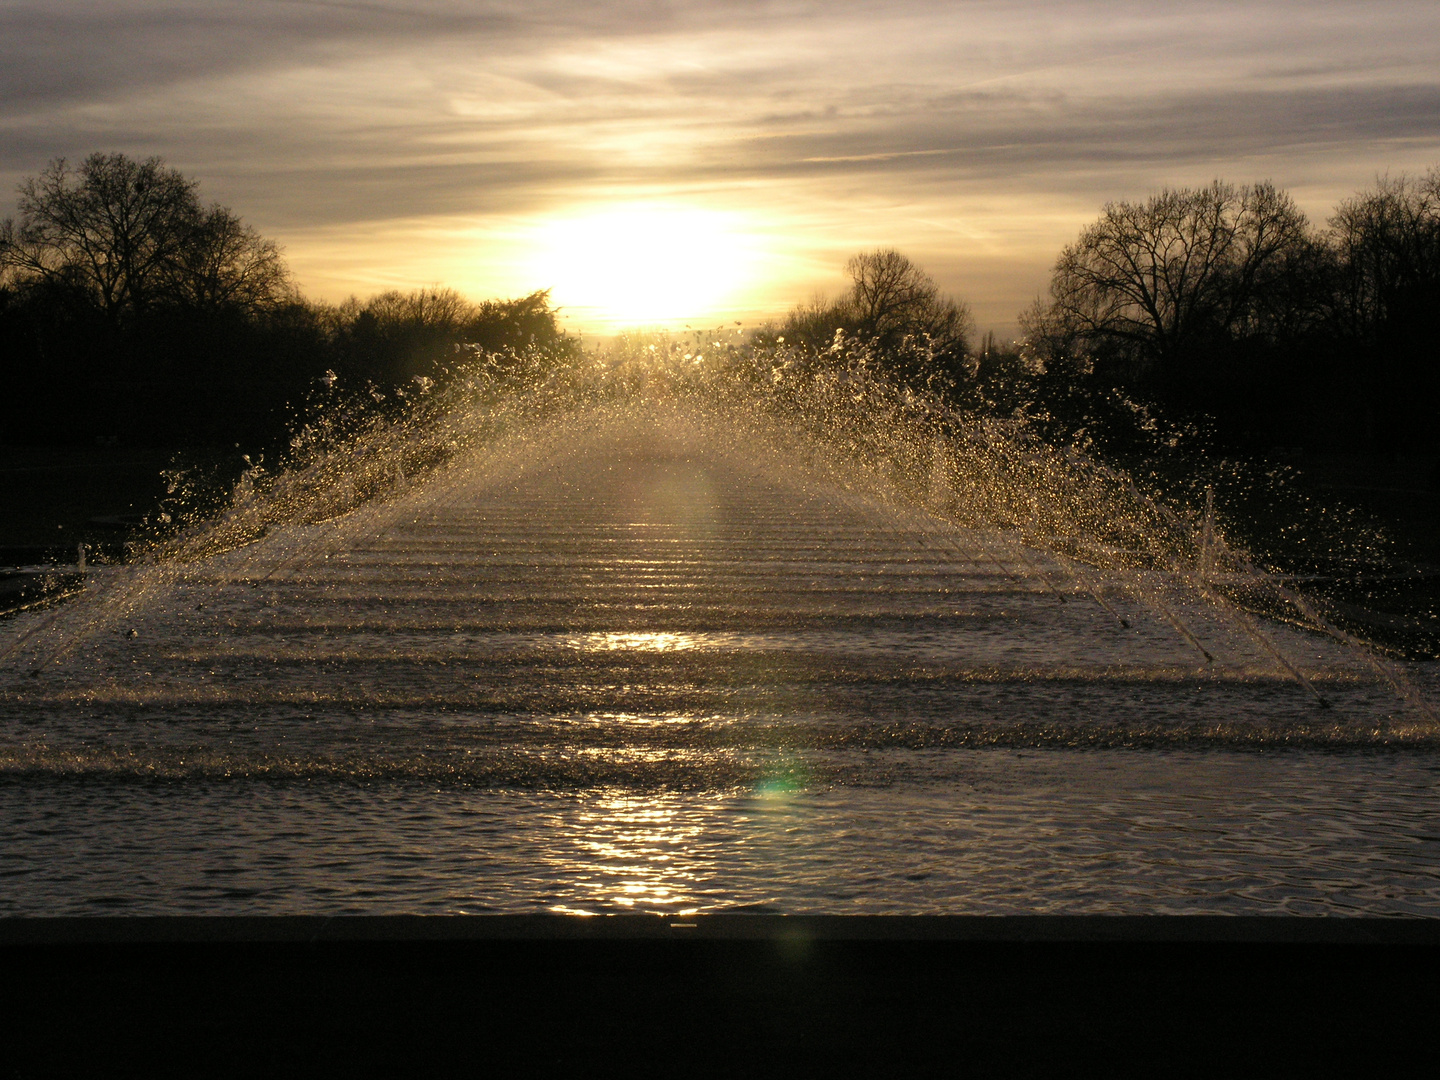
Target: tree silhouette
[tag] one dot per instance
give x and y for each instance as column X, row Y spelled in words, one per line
column 919, row 335
column 1387, row 242
column 131, row 311
column 1177, row 273
column 127, row 236
column 891, row 299
column 394, row 337
column 225, row 264
column 1385, row 246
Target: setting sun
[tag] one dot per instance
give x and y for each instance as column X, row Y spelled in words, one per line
column 644, row 264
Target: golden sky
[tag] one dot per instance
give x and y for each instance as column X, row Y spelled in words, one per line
column 672, row 163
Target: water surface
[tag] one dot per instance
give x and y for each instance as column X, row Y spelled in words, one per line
column 660, row 672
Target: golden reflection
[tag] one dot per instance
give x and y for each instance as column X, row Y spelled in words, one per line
column 658, row 641
column 646, row 720
column 639, row 854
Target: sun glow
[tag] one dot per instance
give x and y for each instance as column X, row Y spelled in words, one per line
column 645, row 264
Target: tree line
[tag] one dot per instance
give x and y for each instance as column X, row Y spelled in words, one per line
column 1226, row 301
column 1222, row 304
column 133, row 312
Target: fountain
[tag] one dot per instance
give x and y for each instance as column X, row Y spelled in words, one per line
column 678, row 635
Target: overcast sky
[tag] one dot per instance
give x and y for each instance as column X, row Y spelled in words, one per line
column 412, row 143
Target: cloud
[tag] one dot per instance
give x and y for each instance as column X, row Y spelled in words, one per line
column 1052, row 138
column 1013, row 119
column 59, row 53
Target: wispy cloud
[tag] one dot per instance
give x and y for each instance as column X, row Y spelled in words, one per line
column 975, row 134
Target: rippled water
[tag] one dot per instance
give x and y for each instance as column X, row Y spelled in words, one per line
column 655, row 671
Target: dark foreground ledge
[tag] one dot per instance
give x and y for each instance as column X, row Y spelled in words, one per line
column 732, row 995
column 956, row 929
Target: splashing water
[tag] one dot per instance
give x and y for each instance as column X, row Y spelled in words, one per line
column 756, row 630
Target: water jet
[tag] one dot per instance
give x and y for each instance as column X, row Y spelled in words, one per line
column 551, row 649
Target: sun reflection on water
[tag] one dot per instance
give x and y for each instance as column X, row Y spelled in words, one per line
column 637, row 854
column 639, row 719
column 657, row 641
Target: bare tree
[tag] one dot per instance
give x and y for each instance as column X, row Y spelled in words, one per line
column 917, row 334
column 225, row 264
column 1387, row 247
column 1150, row 280
column 438, row 309
column 111, row 228
column 132, row 235
column 815, row 321
column 891, row 299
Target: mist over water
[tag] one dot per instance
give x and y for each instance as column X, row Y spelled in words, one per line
column 692, row 641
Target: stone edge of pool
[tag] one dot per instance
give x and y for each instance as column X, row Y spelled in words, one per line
column 1100, row 929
